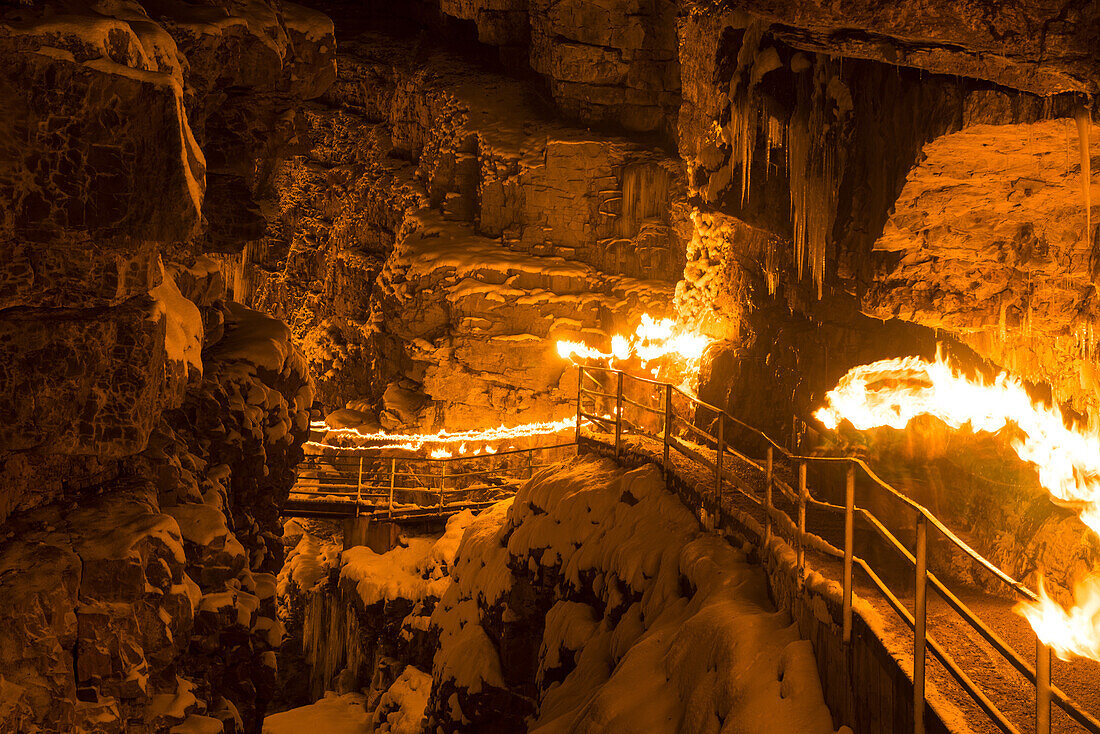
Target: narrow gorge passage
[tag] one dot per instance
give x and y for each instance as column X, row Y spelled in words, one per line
column 402, row 367
column 592, row 600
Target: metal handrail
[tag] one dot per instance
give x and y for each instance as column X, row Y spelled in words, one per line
column 368, row 481
column 1039, row 675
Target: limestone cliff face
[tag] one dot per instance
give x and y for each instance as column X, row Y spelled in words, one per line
column 147, row 600
column 878, row 185
column 442, row 232
column 831, row 159
column 127, row 137
column 150, row 428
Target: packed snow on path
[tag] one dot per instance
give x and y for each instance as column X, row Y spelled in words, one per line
column 333, row 714
column 400, row 710
column 669, row 628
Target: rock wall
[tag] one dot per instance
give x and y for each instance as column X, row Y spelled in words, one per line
column 824, row 166
column 442, row 231
column 147, row 599
column 151, row 428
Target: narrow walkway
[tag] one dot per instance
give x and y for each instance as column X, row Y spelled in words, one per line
column 1001, row 682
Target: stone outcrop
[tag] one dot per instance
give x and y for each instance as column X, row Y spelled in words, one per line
column 359, row 620
column 114, row 129
column 149, row 599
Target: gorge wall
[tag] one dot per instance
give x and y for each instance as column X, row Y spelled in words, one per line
column 206, row 203
column 150, row 428
column 810, row 188
column 826, row 189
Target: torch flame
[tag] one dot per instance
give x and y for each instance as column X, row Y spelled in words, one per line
column 1075, row 631
column 892, row 392
column 416, row 441
column 651, row 341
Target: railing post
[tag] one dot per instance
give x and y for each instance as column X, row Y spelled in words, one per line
column 580, row 387
column 920, row 617
column 718, row 469
column 802, row 492
column 1042, row 688
column 619, row 415
column 849, row 551
column 393, row 480
column 768, row 497
column 359, row 487
column 442, row 481
column 668, row 428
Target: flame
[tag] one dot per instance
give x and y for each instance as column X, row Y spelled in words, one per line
column 892, row 392
column 416, row 441
column 1075, row 631
column 651, row 341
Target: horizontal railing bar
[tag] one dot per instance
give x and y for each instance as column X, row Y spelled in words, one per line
column 609, row 396
column 696, row 429
column 612, row 371
column 691, row 453
column 598, row 418
column 946, row 659
column 635, row 403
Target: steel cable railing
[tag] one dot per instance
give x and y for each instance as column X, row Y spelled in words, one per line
column 711, row 510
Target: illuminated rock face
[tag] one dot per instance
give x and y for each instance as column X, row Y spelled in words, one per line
column 431, row 290
column 988, row 241
column 140, row 477
column 784, row 176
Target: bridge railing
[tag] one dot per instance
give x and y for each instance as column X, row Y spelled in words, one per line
column 666, row 414
column 374, row 476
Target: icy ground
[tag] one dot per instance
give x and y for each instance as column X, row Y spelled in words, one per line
column 333, row 714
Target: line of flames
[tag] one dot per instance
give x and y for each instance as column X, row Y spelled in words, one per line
column 461, row 443
column 892, row 392
column 650, row 343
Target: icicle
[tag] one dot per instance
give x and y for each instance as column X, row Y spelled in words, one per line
column 812, row 165
column 1084, row 123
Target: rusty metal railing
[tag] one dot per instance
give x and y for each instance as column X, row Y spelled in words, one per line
column 664, row 425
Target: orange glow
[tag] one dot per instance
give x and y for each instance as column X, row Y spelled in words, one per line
column 458, row 441
column 650, row 342
column 1071, row 632
column 892, row 392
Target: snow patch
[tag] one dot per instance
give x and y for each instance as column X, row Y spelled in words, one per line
column 333, row 714
column 183, row 332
